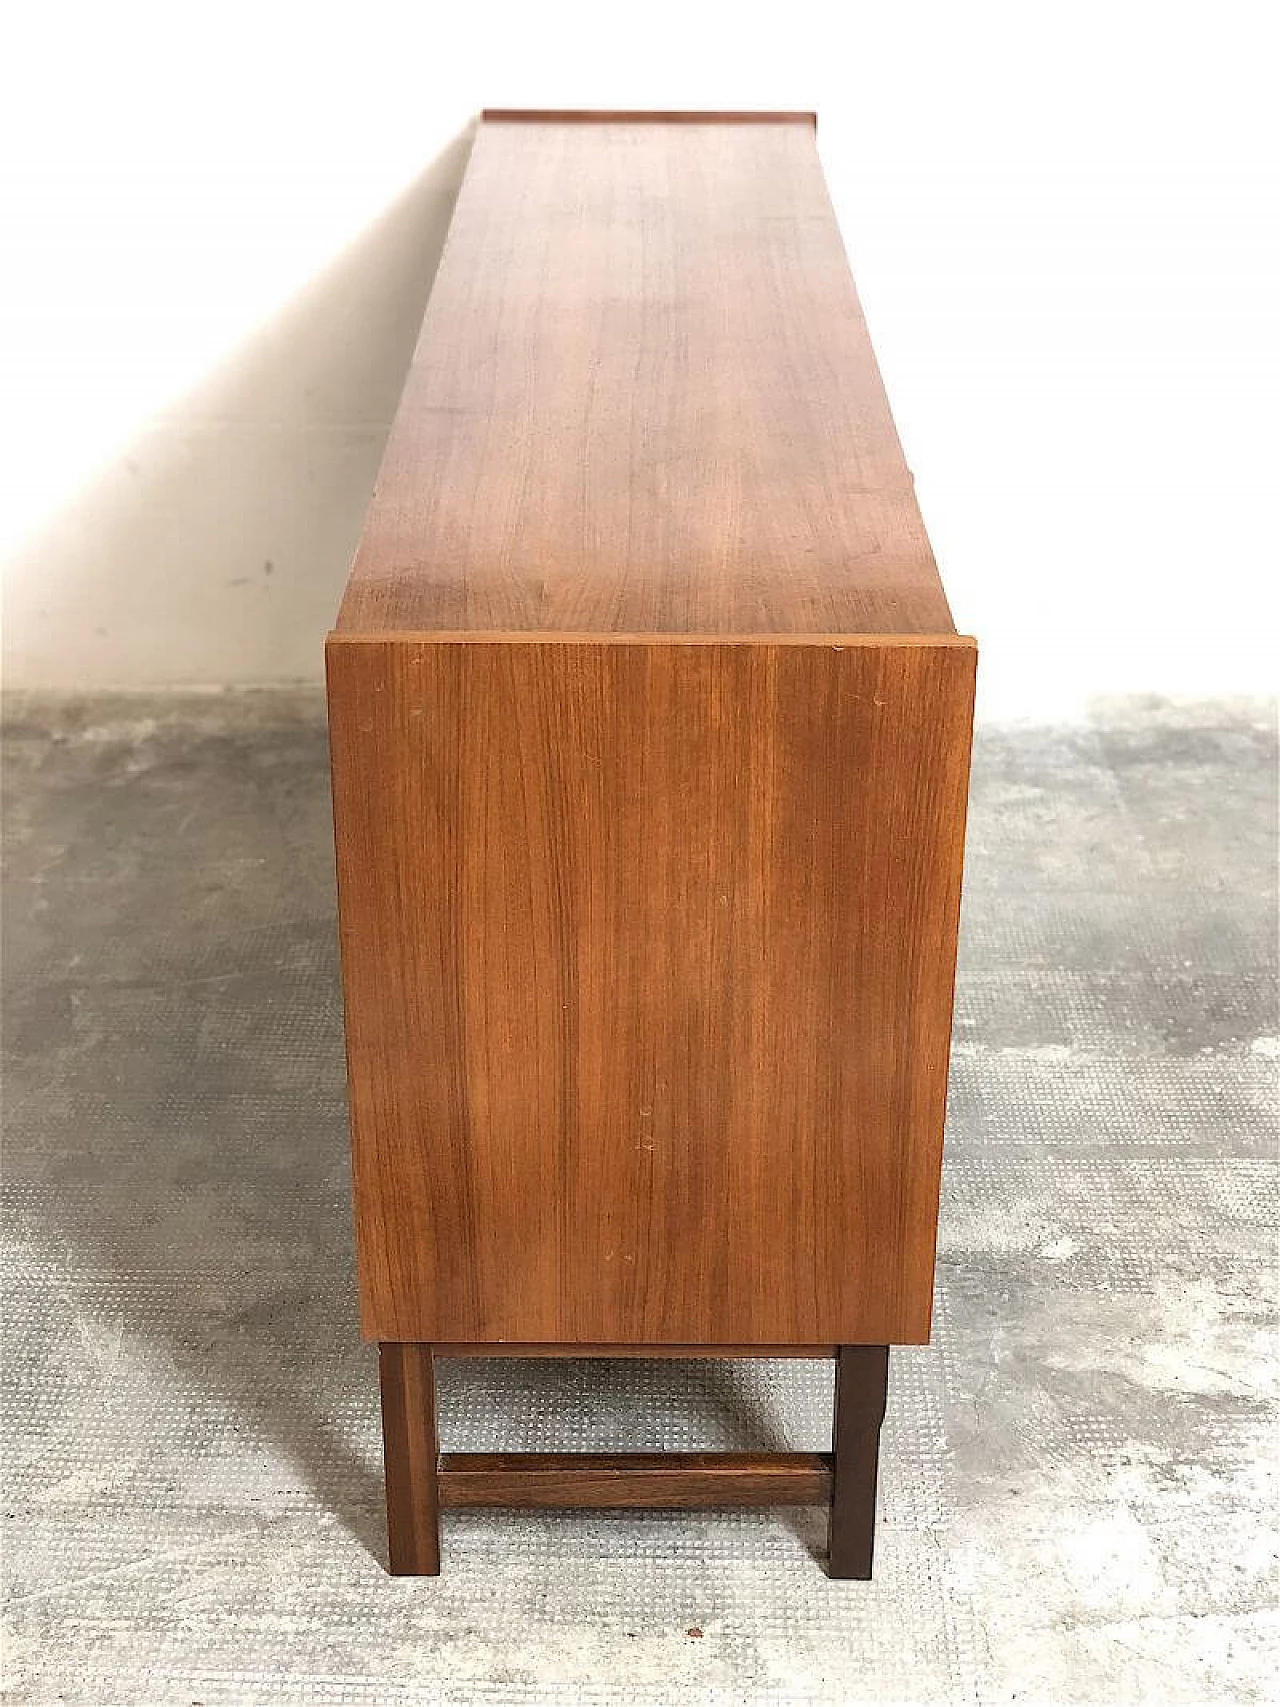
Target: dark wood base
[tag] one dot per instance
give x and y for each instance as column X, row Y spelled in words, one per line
column 862, row 1386
column 407, row 1379
column 653, row 1479
column 420, row 1480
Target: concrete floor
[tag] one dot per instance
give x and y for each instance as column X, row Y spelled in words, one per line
column 1076, row 1503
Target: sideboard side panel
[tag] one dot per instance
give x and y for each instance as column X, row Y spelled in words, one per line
column 648, row 954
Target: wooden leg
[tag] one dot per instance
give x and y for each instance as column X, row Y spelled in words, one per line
column 407, row 1379
column 862, row 1382
column 417, row 1485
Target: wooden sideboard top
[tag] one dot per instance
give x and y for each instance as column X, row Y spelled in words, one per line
column 644, row 402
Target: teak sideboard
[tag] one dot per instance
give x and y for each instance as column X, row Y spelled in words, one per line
column 650, row 737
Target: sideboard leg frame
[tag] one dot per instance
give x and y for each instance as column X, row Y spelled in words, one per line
column 418, row 1479
column 406, row 1374
column 862, row 1384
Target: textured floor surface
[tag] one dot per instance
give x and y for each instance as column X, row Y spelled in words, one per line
column 1076, row 1504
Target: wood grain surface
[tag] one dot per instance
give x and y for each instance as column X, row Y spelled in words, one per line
column 648, row 955
column 644, row 400
column 600, row 1481
column 407, row 1379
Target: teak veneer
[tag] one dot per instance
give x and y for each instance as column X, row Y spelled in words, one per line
column 650, row 734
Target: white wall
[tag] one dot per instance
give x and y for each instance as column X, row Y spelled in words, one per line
column 221, row 224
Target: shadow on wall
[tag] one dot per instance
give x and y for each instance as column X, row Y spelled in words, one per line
column 213, row 549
